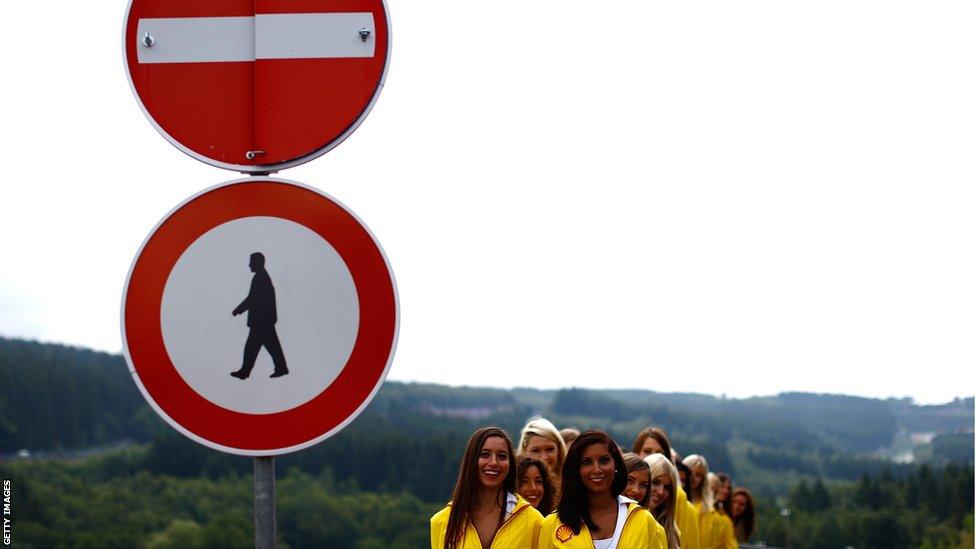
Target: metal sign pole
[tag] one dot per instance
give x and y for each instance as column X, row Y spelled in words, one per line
column 264, row 503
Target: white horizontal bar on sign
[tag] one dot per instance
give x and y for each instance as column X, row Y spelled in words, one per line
column 271, row 36
column 314, row 35
column 196, row 39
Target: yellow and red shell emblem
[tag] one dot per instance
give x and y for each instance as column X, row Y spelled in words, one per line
column 563, row 533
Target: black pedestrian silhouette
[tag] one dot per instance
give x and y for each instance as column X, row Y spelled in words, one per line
column 262, row 314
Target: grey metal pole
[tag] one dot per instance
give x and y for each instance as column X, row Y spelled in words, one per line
column 264, row 503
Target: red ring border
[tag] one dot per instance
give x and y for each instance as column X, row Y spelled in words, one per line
column 306, row 424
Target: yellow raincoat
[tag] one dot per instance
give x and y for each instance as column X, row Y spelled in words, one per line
column 519, row 531
column 640, row 531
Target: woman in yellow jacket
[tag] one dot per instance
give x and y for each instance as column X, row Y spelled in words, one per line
column 687, row 520
column 711, row 528
column 484, row 511
column 654, row 440
column 663, row 502
column 723, row 531
column 591, row 511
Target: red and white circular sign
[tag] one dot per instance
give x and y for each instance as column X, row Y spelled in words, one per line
column 256, row 85
column 259, row 317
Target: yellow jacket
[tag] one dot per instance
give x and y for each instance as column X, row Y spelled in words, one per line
column 640, row 531
column 686, row 517
column 715, row 528
column 723, row 532
column 519, row 531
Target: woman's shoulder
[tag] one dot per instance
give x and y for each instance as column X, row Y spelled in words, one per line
column 525, row 509
column 681, row 495
column 659, row 538
column 551, row 520
column 524, row 517
column 441, row 516
column 642, row 530
column 638, row 515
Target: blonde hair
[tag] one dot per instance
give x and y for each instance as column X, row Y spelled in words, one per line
column 542, row 427
column 704, row 492
column 666, row 512
column 714, row 485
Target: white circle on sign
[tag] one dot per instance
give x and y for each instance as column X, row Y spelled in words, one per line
column 317, row 312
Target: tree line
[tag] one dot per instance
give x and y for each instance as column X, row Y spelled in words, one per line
column 115, row 500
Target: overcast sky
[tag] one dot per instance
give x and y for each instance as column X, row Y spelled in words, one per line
column 724, row 197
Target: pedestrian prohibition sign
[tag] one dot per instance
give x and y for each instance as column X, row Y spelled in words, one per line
column 256, row 85
column 259, row 317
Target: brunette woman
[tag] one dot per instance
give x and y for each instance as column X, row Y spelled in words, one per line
column 541, row 440
column 654, row 440
column 535, row 484
column 663, row 502
column 484, row 510
column 591, row 512
column 743, row 513
column 684, row 473
column 638, row 480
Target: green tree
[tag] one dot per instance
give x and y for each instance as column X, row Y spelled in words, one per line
column 819, row 497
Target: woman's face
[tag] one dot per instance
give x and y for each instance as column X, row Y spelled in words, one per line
column 493, row 463
column 661, row 488
column 531, row 487
column 637, row 484
column 649, row 447
column 739, row 503
column 724, row 490
column 697, row 476
column 544, row 450
column 596, row 468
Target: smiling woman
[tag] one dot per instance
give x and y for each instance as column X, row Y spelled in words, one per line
column 591, row 511
column 663, row 502
column 535, row 484
column 484, row 510
column 541, row 440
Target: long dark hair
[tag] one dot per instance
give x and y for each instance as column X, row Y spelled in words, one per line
column 745, row 523
column 548, row 485
column 574, row 508
column 465, row 493
column 657, row 434
column 682, row 468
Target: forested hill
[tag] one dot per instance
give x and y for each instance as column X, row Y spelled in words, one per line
column 377, row 482
column 55, row 398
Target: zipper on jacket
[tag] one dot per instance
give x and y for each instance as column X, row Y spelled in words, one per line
column 508, row 520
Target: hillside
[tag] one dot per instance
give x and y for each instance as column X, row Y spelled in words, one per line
column 400, row 457
column 59, row 399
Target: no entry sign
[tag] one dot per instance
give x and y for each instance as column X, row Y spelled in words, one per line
column 256, row 85
column 259, row 317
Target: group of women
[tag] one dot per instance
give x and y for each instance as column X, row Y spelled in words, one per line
column 566, row 490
